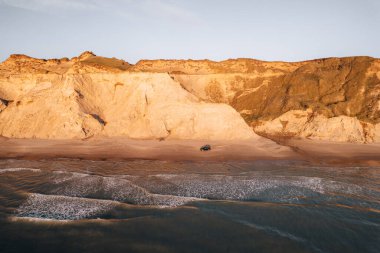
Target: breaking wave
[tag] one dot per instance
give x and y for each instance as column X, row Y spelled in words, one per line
column 122, row 190
column 262, row 188
column 18, row 169
column 73, row 195
column 63, row 207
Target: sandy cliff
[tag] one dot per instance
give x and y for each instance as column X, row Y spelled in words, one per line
column 77, row 99
column 328, row 99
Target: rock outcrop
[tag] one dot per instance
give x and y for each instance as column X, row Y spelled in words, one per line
column 334, row 99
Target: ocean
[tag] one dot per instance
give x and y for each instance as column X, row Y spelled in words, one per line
column 69, row 205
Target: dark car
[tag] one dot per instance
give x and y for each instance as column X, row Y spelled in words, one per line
column 205, row 148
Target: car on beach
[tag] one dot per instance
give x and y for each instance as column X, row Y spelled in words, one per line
column 205, row 148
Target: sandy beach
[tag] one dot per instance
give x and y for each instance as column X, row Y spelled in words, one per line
column 126, row 149
column 336, row 152
column 182, row 150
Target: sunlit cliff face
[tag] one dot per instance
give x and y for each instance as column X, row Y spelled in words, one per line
column 331, row 99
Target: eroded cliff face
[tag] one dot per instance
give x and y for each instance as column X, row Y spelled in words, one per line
column 330, row 99
column 109, row 102
column 339, row 96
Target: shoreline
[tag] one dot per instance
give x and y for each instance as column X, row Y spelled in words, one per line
column 188, row 150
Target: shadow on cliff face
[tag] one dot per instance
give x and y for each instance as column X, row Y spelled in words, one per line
column 332, row 87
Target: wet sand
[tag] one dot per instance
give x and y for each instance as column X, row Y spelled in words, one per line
column 336, row 152
column 181, row 150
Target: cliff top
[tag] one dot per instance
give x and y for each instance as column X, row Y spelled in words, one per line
column 88, row 62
